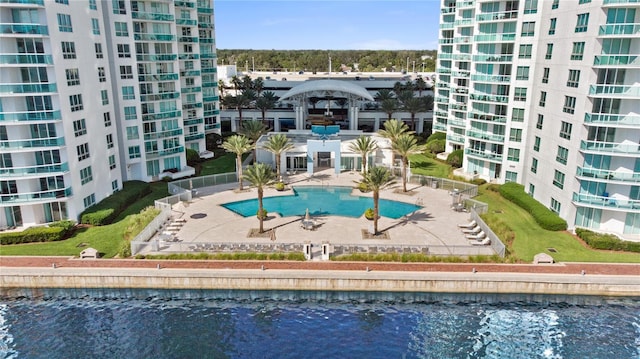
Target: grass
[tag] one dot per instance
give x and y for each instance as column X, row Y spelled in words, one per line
column 426, row 166
column 530, row 239
column 225, row 163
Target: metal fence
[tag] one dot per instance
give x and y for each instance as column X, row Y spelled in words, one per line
column 496, row 243
column 464, row 188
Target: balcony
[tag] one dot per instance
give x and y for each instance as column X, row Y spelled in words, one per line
column 28, row 88
column 447, row 40
column 616, row 30
column 35, row 171
column 607, row 175
column 441, row 99
column 490, row 156
column 495, row 37
column 159, row 97
column 489, row 98
column 189, row 22
column 161, row 77
column 626, row 61
column 457, row 122
column 606, row 119
column 446, row 25
column 151, row 16
column 23, row 2
column 212, row 127
column 194, row 137
column 190, row 73
column 618, row 148
column 621, row 2
column 209, row 70
column 191, row 89
column 165, row 152
column 617, row 91
column 491, row 78
column 621, row 204
column 439, row 127
column 188, row 56
column 138, row 36
column 189, row 39
column 493, row 58
column 205, row 10
column 456, row 138
column 23, row 29
column 47, row 116
column 493, row 16
column 156, row 58
column 32, row 144
column 463, row 22
column 482, row 116
column 183, row 3
column 26, row 59
column 441, row 114
column 163, row 134
column 443, row 70
column 448, row 10
column 161, row 115
column 193, row 121
column 462, row 39
column 42, row 196
column 461, row 73
column 485, row 136
column 460, row 106
column 465, row 3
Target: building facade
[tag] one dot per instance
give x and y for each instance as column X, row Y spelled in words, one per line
column 95, row 93
column 546, row 93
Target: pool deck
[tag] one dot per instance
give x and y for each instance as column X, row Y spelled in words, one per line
column 434, row 226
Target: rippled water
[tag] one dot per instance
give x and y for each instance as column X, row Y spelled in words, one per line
column 195, row 324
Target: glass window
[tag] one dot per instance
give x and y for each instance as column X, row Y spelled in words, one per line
column 83, row 151
column 513, row 154
column 126, row 72
column 119, row 7
column 132, row 133
column 534, row 165
column 121, row 28
column 79, row 127
column 532, row 189
column 89, row 200
column 549, row 52
column 552, row 26
column 528, row 28
column 75, row 103
column 64, row 23
column 540, row 122
column 577, row 51
column 92, row 5
column 95, row 26
column 536, row 144
column 517, row 115
column 109, row 141
column 128, row 93
column 545, row 75
column 530, row 6
column 525, row 51
column 580, row 2
column 574, row 78
column 130, row 113
column 515, row 135
column 104, row 95
column 543, row 98
column 555, row 205
column 124, row 51
column 510, row 176
column 134, row 152
column 107, row 119
column 112, row 162
column 565, row 130
column 555, row 4
column 558, row 179
column 569, row 104
column 73, row 77
column 114, row 185
column 520, row 94
column 582, row 22
column 562, row 155
column 102, row 76
column 522, row 73
column 68, row 50
column 99, row 54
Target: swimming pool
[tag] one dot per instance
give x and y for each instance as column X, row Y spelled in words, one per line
column 335, row 200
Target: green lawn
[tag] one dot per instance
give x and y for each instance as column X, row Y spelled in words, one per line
column 531, row 239
column 223, row 164
column 423, row 165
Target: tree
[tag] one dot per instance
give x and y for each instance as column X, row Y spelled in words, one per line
column 239, row 145
column 414, row 105
column 392, row 130
column 266, row 102
column 384, row 94
column 253, row 130
column 240, row 102
column 221, row 87
column 406, row 144
column 363, row 145
column 258, row 85
column 235, row 80
column 247, row 83
column 260, row 175
column 277, row 144
column 420, row 85
column 376, row 179
column 389, row 106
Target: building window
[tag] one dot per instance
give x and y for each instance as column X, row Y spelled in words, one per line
column 552, row 26
column 64, row 23
column 130, row 113
column 520, row 94
column 83, row 151
column 68, row 50
column 92, row 5
column 574, row 78
column 126, row 72
column 577, row 51
column 104, row 96
column 513, row 154
column 79, row 127
column 107, row 119
column 510, row 176
column 99, row 54
column 121, row 29
column 522, row 73
column 555, row 205
column 95, row 26
column 580, row 2
column 540, row 121
column 569, row 104
column 528, row 28
column 555, row 4
column 536, row 144
column 558, row 179
column 114, row 185
column 132, row 133
column 530, row 6
column 102, row 77
column 515, row 135
column 532, row 189
column 73, row 77
column 119, row 7
column 543, row 98
column 89, row 200
column 112, row 162
column 134, row 152
column 549, row 52
column 545, row 75
column 109, row 141
column 517, row 115
column 63, row 2
column 534, row 165
column 582, row 23
column 525, row 51
column 562, row 155
column 124, row 51
column 128, row 93
column 187, row 49
column 75, row 103
column 565, row 130
column 153, row 167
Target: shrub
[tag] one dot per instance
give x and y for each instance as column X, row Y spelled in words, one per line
column 542, row 215
column 606, row 241
column 264, row 213
column 193, row 157
column 455, row 158
column 436, row 146
column 369, row 213
column 479, row 181
column 493, row 187
column 109, row 208
column 437, row 136
column 34, row 234
column 279, row 186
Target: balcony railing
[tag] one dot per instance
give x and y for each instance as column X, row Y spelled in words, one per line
column 456, row 138
column 194, row 137
column 495, row 37
column 166, row 152
column 491, row 156
column 619, row 29
column 493, row 58
column 35, row 196
column 162, row 77
column 612, row 119
column 35, row 170
column 611, row 147
column 151, row 16
column 439, row 126
column 491, row 78
column 617, row 60
column 154, row 58
column 190, row 22
column 608, row 175
column 489, row 98
column 23, row 2
column 486, row 136
column 153, row 37
column 605, row 201
column 621, row 2
column 482, row 116
column 457, row 122
column 158, row 97
column 30, row 116
column 24, row 29
column 615, row 90
column 193, row 121
column 26, row 59
column 161, row 115
column 163, row 134
column 28, row 88
column 502, row 15
column 34, row 143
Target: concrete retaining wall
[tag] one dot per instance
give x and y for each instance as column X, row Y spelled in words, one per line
column 437, row 282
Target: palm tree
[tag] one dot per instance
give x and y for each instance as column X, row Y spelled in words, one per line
column 364, row 145
column 266, row 102
column 392, row 130
column 277, row 144
column 235, row 80
column 389, row 106
column 239, row 145
column 406, row 144
column 376, row 179
column 247, row 83
column 221, row 87
column 253, row 130
column 384, row 94
column 241, row 102
column 260, row 175
column 414, row 105
column 420, row 85
column 258, row 85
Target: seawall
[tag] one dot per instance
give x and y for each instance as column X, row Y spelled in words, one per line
column 14, row 279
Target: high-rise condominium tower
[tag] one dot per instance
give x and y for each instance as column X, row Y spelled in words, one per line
column 95, row 93
column 547, row 94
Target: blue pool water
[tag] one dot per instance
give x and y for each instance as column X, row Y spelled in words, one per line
column 201, row 324
column 336, row 201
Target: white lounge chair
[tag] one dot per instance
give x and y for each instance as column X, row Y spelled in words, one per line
column 479, row 236
column 484, row 242
column 468, row 225
column 475, row 230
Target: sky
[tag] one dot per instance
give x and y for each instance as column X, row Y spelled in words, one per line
column 327, row 25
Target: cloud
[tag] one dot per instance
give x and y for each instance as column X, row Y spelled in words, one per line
column 386, row 44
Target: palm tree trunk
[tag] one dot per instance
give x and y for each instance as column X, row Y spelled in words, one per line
column 240, row 120
column 413, row 122
column 260, row 193
column 278, row 173
column 239, row 166
column 376, row 196
column 364, row 163
column 404, row 174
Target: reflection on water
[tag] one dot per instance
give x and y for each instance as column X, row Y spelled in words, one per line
column 227, row 324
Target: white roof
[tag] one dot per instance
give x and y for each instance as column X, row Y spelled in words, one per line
column 324, row 88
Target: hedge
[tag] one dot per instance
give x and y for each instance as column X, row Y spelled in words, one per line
column 54, row 232
column 109, row 208
column 546, row 218
column 437, row 136
column 455, row 158
column 606, row 241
